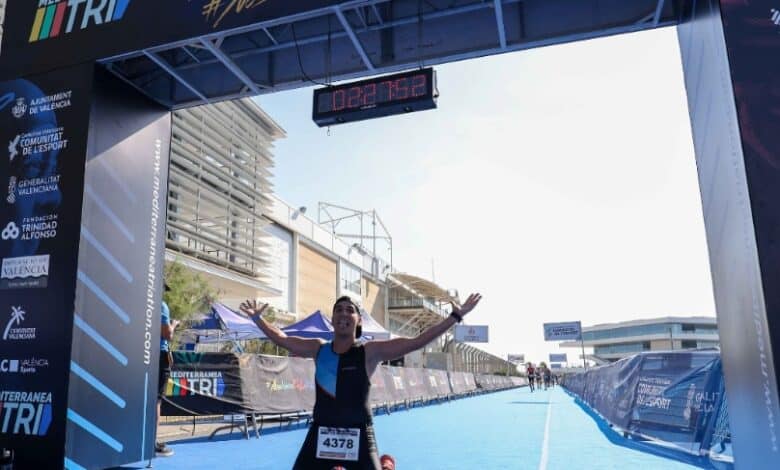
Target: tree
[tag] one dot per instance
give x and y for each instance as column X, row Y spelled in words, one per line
column 190, row 292
column 260, row 346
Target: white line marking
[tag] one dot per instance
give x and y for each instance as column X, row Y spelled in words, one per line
column 546, row 440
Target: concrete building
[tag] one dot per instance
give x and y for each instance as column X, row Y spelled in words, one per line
column 219, row 191
column 613, row 341
column 225, row 223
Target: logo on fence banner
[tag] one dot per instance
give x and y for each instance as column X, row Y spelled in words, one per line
column 184, row 383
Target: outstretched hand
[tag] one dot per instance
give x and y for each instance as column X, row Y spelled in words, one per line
column 468, row 305
column 250, row 308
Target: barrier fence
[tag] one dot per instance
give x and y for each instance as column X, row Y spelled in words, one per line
column 205, row 384
column 675, row 399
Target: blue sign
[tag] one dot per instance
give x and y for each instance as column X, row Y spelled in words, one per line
column 558, row 358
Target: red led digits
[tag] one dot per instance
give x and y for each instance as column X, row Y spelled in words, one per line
column 339, row 100
column 401, row 89
column 353, row 97
column 419, row 87
column 369, row 94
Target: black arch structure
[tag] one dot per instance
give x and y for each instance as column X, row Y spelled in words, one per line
column 86, row 89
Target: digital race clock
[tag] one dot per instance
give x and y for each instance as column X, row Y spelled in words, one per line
column 376, row 97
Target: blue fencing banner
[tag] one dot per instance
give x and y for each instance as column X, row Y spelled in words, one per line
column 674, row 397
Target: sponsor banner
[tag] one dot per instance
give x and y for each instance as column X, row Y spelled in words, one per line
column 751, row 29
column 204, row 384
column 674, row 397
column 24, row 272
column 23, row 366
column 562, row 331
column 24, row 413
column 471, row 333
column 120, row 258
column 516, row 358
column 41, row 35
column 558, row 357
column 43, row 139
column 228, row 384
column 556, row 366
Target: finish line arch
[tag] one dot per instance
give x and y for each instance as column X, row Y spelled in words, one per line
column 86, row 89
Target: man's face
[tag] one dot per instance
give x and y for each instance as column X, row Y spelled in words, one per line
column 345, row 318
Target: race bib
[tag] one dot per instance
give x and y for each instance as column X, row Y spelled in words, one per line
column 338, row 443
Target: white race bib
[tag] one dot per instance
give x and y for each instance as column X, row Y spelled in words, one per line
column 338, row 443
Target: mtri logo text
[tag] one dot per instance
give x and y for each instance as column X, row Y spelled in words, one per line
column 184, row 383
column 59, row 17
column 27, row 413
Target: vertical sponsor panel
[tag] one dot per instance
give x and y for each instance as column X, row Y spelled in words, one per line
column 116, row 332
column 733, row 89
column 43, row 132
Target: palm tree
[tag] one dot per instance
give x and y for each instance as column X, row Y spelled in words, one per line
column 17, row 315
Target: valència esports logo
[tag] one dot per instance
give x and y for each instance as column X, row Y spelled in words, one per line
column 59, row 17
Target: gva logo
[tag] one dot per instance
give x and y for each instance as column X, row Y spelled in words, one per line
column 57, row 17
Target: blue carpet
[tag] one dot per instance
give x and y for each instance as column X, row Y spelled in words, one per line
column 504, row 430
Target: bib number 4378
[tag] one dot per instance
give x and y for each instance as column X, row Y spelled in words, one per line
column 338, row 443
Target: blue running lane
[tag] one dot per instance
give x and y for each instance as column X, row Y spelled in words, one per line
column 505, row 430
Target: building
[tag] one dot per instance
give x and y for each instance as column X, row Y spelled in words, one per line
column 309, row 266
column 225, row 222
column 613, row 341
column 219, row 191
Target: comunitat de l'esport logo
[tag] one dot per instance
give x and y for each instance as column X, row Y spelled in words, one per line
column 60, row 17
column 25, row 413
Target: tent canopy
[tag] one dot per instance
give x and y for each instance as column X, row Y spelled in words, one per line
column 315, row 325
column 224, row 324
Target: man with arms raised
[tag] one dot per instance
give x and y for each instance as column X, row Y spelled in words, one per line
column 342, row 433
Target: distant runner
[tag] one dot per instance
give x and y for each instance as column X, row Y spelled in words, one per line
column 530, row 373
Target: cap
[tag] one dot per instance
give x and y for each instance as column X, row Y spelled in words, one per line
column 387, row 461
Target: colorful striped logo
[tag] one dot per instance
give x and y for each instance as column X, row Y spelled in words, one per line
column 57, row 17
column 182, row 386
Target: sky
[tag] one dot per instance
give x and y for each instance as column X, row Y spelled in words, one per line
column 560, row 183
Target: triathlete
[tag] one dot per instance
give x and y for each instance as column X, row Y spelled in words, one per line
column 342, row 433
column 531, row 374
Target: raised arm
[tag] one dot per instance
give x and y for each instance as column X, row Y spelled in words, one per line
column 302, row 347
column 379, row 351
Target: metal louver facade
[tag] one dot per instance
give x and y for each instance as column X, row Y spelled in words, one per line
column 219, row 185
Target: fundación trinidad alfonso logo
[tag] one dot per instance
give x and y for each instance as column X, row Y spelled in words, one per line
column 58, row 17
